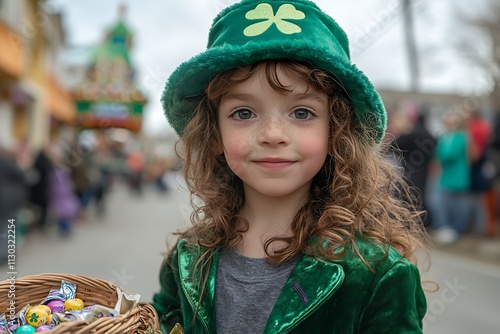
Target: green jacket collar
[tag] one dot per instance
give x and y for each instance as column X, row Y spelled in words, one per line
column 303, row 293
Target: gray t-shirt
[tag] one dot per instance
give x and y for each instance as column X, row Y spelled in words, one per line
column 246, row 291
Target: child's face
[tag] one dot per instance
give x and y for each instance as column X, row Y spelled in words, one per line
column 275, row 143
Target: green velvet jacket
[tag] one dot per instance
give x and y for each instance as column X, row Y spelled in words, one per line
column 341, row 296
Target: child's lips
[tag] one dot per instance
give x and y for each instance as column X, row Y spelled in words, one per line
column 274, row 164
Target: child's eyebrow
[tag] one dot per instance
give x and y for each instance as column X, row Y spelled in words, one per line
column 311, row 96
column 237, row 96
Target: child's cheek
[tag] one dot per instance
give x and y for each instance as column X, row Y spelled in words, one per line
column 236, row 152
column 316, row 146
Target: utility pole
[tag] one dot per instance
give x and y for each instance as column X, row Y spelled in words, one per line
column 411, row 46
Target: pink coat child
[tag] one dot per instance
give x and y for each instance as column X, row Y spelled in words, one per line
column 62, row 199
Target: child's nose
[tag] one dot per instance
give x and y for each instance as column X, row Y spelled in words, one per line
column 273, row 132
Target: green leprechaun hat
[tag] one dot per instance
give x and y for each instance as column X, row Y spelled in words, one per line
column 249, row 31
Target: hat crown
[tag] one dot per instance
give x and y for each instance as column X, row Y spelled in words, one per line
column 255, row 30
column 251, row 21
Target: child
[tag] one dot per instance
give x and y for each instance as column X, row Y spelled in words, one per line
column 299, row 226
column 62, row 198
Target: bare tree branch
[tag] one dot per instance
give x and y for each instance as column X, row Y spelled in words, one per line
column 480, row 44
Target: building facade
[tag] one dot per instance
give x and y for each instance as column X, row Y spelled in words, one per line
column 33, row 103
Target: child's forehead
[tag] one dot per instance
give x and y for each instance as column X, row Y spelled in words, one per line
column 282, row 66
column 279, row 75
column 278, row 72
column 257, row 84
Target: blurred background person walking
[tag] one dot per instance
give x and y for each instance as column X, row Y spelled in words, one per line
column 37, row 177
column 101, row 162
column 76, row 158
column 452, row 208
column 417, row 151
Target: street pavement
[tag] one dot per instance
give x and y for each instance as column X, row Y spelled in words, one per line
column 468, row 300
column 126, row 246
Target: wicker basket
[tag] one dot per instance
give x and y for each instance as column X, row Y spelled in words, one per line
column 143, row 319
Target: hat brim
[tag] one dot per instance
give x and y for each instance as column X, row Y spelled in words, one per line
column 186, row 86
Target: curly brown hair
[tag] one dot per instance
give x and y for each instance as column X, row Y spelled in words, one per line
column 359, row 191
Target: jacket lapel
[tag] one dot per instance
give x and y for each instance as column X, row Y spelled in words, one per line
column 310, row 284
column 191, row 284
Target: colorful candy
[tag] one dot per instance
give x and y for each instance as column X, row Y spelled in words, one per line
column 25, row 329
column 56, row 305
column 49, row 319
column 68, row 289
column 54, row 295
column 36, row 316
column 100, row 311
column 45, row 307
column 17, row 320
column 73, row 304
column 3, row 323
column 43, row 328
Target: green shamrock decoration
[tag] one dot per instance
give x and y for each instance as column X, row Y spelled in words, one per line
column 264, row 11
column 34, row 318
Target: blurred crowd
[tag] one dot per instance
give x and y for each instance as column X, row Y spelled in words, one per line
column 56, row 186
column 455, row 174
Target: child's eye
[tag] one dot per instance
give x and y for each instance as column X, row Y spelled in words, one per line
column 243, row 114
column 302, row 114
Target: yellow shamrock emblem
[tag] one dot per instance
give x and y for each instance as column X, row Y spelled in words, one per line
column 264, row 11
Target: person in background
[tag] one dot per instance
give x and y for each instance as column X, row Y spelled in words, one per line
column 493, row 152
column 101, row 163
column 38, row 181
column 482, row 171
column 135, row 164
column 417, row 149
column 13, row 194
column 63, row 201
column 452, row 209
column 76, row 160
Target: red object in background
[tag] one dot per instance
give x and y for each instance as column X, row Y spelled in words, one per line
column 135, row 161
column 91, row 121
column 491, row 223
column 480, row 132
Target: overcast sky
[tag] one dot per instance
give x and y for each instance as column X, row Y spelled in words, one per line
column 167, row 32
